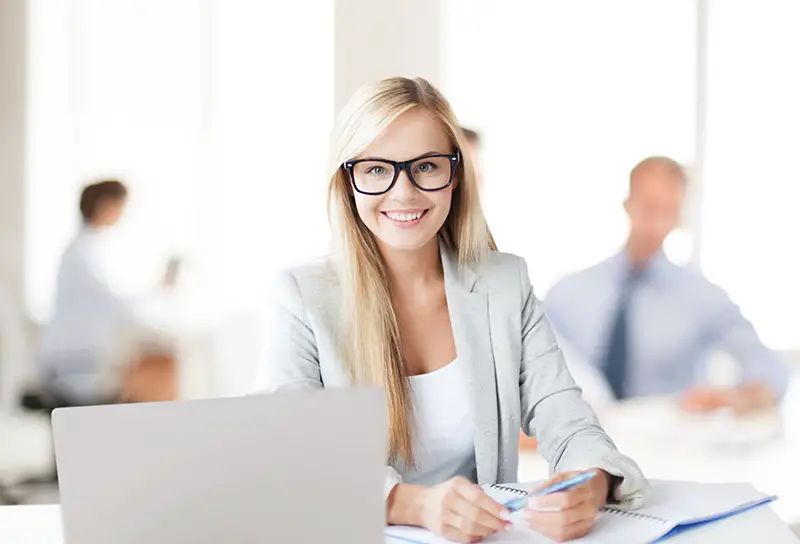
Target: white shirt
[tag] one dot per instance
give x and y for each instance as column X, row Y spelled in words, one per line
column 444, row 429
column 87, row 343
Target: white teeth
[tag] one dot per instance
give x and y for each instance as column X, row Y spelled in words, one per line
column 400, row 216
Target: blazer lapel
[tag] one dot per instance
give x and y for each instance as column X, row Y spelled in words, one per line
column 469, row 318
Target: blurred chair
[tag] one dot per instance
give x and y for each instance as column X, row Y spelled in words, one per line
column 26, row 450
column 26, row 455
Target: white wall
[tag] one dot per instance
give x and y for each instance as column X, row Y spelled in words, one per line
column 382, row 38
column 752, row 173
column 12, row 188
column 567, row 107
column 12, row 138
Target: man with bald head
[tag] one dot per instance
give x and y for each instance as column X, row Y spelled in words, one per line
column 648, row 326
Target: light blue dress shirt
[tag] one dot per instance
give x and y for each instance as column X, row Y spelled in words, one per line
column 677, row 319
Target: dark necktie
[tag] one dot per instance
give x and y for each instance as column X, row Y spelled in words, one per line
column 617, row 356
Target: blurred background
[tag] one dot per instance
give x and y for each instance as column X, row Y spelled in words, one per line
column 215, row 114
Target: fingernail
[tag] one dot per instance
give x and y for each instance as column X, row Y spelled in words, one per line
column 505, row 515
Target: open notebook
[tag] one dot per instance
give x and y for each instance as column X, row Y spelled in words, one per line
column 671, row 507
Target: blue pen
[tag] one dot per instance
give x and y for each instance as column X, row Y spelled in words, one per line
column 518, row 504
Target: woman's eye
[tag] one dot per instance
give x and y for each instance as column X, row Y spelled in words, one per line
column 376, row 170
column 426, row 167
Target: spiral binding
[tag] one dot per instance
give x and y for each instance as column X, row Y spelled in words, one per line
column 630, row 514
column 513, row 490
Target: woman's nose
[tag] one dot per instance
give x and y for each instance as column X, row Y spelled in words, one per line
column 404, row 189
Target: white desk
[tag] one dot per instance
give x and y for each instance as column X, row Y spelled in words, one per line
column 42, row 525
column 671, row 445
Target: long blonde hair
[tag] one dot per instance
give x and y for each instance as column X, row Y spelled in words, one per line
column 371, row 337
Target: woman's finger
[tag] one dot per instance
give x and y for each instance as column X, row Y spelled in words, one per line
column 464, row 525
column 560, row 477
column 483, row 522
column 582, row 512
column 561, row 500
column 474, row 494
column 567, row 532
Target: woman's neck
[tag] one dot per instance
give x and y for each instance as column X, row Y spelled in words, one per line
column 410, row 269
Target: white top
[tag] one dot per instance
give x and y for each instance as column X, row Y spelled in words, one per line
column 444, row 429
column 90, row 337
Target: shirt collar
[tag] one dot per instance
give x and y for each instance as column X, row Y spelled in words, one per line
column 654, row 270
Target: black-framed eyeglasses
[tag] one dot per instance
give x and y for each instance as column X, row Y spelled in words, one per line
column 432, row 172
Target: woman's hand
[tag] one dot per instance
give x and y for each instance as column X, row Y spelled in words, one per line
column 746, row 398
column 568, row 514
column 461, row 511
column 457, row 510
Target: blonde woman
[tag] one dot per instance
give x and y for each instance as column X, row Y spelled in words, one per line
column 416, row 298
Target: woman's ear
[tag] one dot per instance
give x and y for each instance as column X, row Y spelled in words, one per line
column 456, row 178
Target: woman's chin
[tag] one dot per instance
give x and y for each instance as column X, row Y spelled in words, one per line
column 406, row 241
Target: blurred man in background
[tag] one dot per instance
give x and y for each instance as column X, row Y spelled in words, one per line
column 89, row 353
column 649, row 327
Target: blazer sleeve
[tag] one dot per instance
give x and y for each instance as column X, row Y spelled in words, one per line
column 290, row 360
column 553, row 409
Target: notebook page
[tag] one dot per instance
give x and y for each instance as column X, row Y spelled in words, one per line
column 504, row 493
column 670, row 503
column 412, row 535
column 686, row 502
column 609, row 528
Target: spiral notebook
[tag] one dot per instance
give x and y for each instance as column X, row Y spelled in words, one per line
column 671, row 507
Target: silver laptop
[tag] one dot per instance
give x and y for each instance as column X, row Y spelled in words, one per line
column 288, row 467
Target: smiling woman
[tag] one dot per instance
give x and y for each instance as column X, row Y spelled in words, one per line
column 397, row 192
column 404, row 303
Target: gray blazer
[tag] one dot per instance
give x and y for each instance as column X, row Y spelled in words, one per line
column 516, row 372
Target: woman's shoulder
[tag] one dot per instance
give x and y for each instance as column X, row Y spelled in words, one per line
column 503, row 273
column 499, row 266
column 498, row 259
column 308, row 272
column 310, row 282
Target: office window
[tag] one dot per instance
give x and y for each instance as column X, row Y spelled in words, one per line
column 273, row 92
column 116, row 90
column 752, row 174
column 569, row 96
column 216, row 113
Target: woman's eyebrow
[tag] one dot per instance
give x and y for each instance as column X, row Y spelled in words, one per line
column 426, row 154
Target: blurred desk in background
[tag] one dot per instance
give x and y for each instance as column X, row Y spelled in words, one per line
column 763, row 449
column 217, row 350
